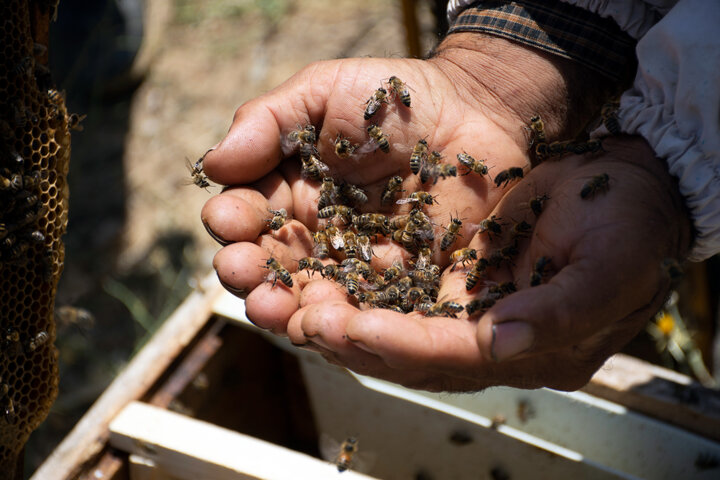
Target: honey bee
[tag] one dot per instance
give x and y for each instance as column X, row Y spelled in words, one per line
column 593, row 145
column 476, row 273
column 350, row 242
column 452, row 232
column 328, row 193
column 445, row 309
column 12, row 182
column 198, row 176
column 537, row 203
column 608, row 113
column 391, row 190
column 520, row 230
column 480, row 305
column 379, row 137
column 394, row 271
column 420, row 197
column 425, row 278
column 342, row 211
column 343, row 147
column 313, row 168
column 597, row 184
column 538, row 273
column 335, row 236
column 430, row 165
column 419, row 155
column 472, row 165
column 322, row 249
column 352, row 282
column 303, row 135
column 462, row 256
column 277, row 271
column 490, row 225
column 374, row 103
column 537, row 128
column 10, row 416
column 24, row 67
column 278, row 219
column 74, row 120
column 436, row 172
column 502, row 289
column 310, row 264
column 508, row 175
column 334, row 272
column 364, row 247
column 33, row 179
column 371, row 223
column 38, row 340
column 554, row 149
column 400, row 89
column 353, row 193
column 525, row 411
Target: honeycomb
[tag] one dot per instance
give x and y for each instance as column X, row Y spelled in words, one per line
column 34, row 156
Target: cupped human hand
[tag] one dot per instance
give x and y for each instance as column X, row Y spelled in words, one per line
column 605, row 275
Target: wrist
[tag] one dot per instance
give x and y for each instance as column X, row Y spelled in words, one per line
column 512, row 82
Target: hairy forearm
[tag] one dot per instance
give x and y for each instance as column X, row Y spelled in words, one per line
column 513, row 82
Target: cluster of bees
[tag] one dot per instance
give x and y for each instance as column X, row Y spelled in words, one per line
column 348, row 233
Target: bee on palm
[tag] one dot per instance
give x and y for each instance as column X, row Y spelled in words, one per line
column 373, row 104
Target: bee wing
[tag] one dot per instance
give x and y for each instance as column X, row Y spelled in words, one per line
column 329, row 447
column 337, row 241
column 406, row 200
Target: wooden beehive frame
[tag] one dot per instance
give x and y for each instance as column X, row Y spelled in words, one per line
column 656, row 392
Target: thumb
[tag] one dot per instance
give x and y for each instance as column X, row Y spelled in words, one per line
column 580, row 301
column 254, row 144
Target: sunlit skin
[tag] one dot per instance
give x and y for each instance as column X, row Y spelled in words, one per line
column 605, row 280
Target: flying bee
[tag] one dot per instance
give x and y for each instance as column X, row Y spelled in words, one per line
column 479, row 305
column 196, row 173
column 419, row 155
column 490, row 225
column 462, row 256
column 420, row 197
column 520, row 230
column 353, row 193
column 342, row 211
column 313, row 168
column 74, row 121
column 277, row 271
column 445, row 309
column 452, row 232
column 400, row 90
column 392, row 188
column 322, row 249
column 539, row 271
column 344, row 458
column 379, row 137
column 597, row 184
column 472, row 165
column 38, row 340
column 278, row 219
column 537, row 129
column 303, row 135
column 537, row 203
column 508, row 175
column 343, row 147
column 364, row 247
column 476, row 273
column 436, row 172
column 374, row 103
column 608, row 113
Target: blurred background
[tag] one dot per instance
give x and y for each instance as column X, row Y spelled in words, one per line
column 159, row 81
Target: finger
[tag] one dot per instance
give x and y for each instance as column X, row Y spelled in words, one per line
column 270, row 306
column 572, row 306
column 318, row 291
column 412, row 342
column 252, row 147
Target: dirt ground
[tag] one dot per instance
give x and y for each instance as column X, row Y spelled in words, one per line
column 135, row 245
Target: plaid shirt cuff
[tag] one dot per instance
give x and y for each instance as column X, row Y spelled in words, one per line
column 555, row 27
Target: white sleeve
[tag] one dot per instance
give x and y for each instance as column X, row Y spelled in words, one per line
column 675, row 105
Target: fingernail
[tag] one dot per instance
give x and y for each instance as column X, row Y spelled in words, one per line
column 510, row 339
column 239, row 292
column 215, row 236
column 317, row 341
